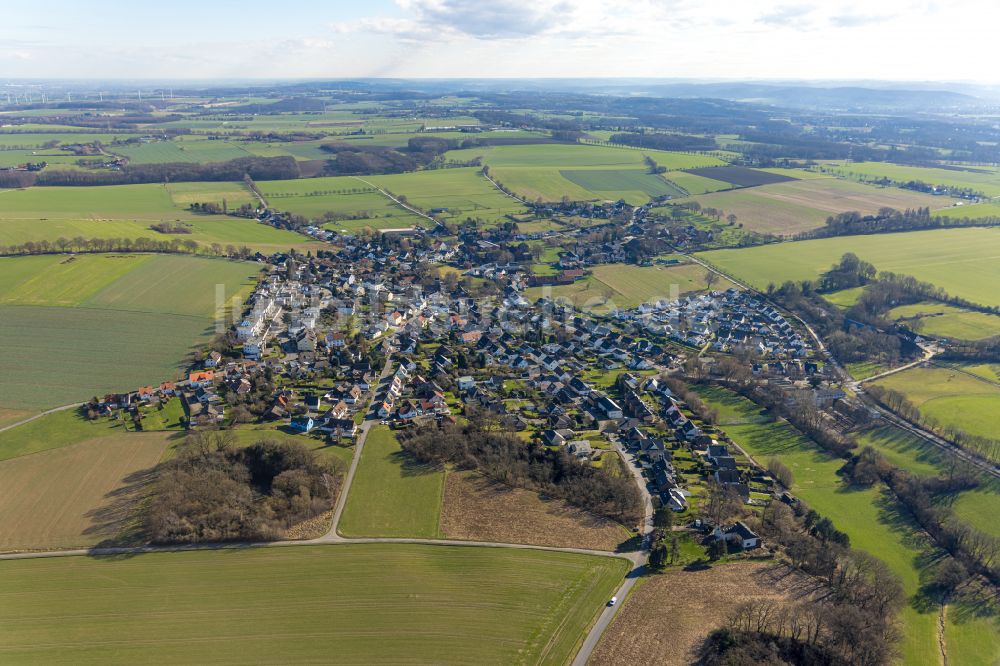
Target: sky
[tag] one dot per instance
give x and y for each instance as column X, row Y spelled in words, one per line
column 908, row 40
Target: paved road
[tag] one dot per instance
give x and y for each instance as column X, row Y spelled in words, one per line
column 370, row 420
column 639, row 562
column 40, row 415
column 929, row 353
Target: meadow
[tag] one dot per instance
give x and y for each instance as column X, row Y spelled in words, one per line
column 977, row 507
column 947, row 321
column 788, row 208
column 980, row 179
column 626, row 286
column 187, row 149
column 464, row 192
column 694, row 184
column 872, row 519
column 343, row 195
column 581, row 171
column 351, row 604
column 391, row 496
column 71, row 328
column 960, row 261
column 127, row 211
column 630, row 184
column 951, row 397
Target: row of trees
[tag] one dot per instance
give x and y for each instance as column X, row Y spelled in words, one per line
column 258, row 168
column 899, row 404
column 889, row 220
column 974, row 550
column 505, row 458
column 141, row 244
column 699, row 407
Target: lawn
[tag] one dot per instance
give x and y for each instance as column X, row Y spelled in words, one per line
column 74, row 327
column 791, row 207
column 391, row 496
column 66, row 497
column 960, row 261
column 872, row 519
column 356, row 604
column 951, row 397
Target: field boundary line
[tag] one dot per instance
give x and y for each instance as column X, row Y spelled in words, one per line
column 38, row 416
column 396, row 201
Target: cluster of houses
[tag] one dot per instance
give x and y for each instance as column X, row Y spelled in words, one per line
column 729, row 320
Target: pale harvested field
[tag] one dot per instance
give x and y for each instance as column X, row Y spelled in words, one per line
column 77, row 495
column 477, row 509
column 9, row 416
column 795, row 206
column 667, row 617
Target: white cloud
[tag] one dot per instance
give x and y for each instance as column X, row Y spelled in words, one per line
column 557, row 38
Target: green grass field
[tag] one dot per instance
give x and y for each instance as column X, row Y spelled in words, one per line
column 53, row 431
column 627, row 286
column 464, row 192
column 981, row 179
column 184, row 149
column 845, row 298
column 960, row 261
column 390, row 495
column 871, row 517
column 103, row 323
column 951, row 398
column 127, row 211
column 695, row 184
column 343, row 195
column 947, row 321
column 138, row 202
column 633, row 185
column 580, row 172
column 357, row 604
column 795, row 206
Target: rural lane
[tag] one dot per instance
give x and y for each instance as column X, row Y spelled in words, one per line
column 40, row 415
column 639, row 562
column 397, row 201
column 359, row 446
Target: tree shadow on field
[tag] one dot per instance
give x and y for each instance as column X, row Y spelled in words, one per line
column 119, row 518
column 410, row 466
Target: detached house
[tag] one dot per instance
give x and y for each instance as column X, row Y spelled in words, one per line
column 738, row 533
